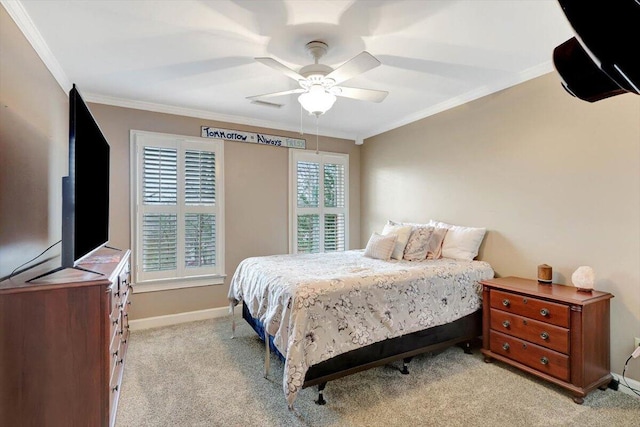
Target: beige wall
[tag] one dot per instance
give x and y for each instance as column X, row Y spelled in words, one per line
column 33, row 150
column 34, row 156
column 554, row 179
column 256, row 198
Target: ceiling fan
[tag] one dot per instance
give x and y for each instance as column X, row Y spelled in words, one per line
column 319, row 82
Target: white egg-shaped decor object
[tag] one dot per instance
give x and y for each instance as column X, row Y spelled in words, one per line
column 583, row 278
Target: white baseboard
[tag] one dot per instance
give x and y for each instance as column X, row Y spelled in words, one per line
column 632, row 383
column 174, row 319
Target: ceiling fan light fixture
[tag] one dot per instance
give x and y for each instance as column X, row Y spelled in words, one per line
column 317, row 100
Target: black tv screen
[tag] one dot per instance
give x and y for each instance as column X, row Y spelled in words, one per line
column 85, row 205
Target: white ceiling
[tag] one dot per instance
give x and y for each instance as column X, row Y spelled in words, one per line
column 196, row 57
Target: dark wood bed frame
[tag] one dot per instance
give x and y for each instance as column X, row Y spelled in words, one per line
column 462, row 332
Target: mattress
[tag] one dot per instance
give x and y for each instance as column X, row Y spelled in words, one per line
column 317, row 306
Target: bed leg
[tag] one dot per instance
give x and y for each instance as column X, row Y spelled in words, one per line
column 321, row 400
column 466, row 346
column 267, row 355
column 233, row 320
column 405, row 365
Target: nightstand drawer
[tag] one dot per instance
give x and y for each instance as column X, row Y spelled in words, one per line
column 539, row 358
column 534, row 308
column 544, row 334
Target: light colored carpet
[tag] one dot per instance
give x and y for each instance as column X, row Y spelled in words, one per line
column 194, row 374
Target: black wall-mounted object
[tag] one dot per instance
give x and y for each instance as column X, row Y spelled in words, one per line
column 603, row 59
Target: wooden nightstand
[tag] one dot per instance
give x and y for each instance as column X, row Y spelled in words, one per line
column 552, row 331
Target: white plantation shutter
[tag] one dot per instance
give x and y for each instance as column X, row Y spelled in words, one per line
column 160, row 228
column 200, row 240
column 320, row 202
column 160, row 242
column 334, row 189
column 334, row 203
column 334, row 233
column 178, row 214
column 308, row 184
column 308, row 233
column 200, row 177
column 160, row 176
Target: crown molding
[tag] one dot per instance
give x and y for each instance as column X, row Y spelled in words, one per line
column 204, row 114
column 18, row 13
column 528, row 74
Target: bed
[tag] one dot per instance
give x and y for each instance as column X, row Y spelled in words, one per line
column 331, row 314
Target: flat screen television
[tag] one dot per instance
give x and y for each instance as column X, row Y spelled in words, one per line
column 85, row 192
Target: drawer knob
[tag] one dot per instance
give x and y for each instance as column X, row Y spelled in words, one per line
column 505, row 346
column 506, row 302
column 506, row 323
column 115, row 322
column 544, row 312
column 544, row 336
column 544, row 360
column 114, row 389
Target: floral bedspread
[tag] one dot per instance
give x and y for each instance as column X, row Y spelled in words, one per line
column 317, row 306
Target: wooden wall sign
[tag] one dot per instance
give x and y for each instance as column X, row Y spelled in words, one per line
column 253, row 137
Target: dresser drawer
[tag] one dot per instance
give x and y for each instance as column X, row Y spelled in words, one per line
column 114, row 388
column 113, row 300
column 114, row 357
column 125, row 328
column 124, row 279
column 539, row 358
column 544, row 334
column 533, row 308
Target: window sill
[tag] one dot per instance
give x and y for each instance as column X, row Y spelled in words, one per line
column 167, row 285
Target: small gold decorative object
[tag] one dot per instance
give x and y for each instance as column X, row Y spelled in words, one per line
column 583, row 278
column 545, row 274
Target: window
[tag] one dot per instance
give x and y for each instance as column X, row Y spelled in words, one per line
column 177, row 210
column 319, row 201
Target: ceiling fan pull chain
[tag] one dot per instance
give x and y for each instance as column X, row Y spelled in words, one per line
column 317, row 131
column 301, row 132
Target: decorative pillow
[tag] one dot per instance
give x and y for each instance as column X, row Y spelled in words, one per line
column 403, row 232
column 418, row 243
column 380, row 247
column 434, row 247
column 460, row 242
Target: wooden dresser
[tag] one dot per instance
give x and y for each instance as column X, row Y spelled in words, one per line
column 552, row 331
column 63, row 341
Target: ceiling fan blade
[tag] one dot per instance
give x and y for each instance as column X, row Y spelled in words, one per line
column 356, row 65
column 362, row 94
column 270, row 62
column 271, row 95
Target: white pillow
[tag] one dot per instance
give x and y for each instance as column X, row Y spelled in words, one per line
column 380, row 247
column 460, row 242
column 403, row 232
